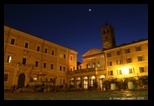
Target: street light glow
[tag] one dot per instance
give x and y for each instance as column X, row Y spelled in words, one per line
column 125, row 70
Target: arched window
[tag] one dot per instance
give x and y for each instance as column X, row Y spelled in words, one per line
column 98, row 64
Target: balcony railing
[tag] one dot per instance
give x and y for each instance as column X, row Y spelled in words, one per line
column 86, row 70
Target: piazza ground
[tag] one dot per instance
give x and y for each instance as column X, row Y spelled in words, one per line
column 79, row 95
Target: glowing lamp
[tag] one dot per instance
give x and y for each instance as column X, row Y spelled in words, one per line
column 35, row 79
column 125, row 70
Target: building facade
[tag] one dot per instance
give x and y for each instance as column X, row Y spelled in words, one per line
column 29, row 59
column 112, row 62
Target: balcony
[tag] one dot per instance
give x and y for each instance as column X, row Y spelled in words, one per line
column 86, row 70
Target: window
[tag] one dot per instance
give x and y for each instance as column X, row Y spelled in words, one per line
column 50, row 79
column 24, row 61
column 118, row 52
column 138, row 48
column 9, row 59
column 118, row 62
column 60, row 68
column 119, row 72
column 52, row 52
column 141, row 69
column 36, row 63
column 129, row 60
column 93, row 65
column 104, row 31
column 44, row 65
column 109, row 63
column 127, row 51
column 45, row 50
column 60, row 81
column 140, row 58
column 98, row 64
column 88, row 65
column 63, row 68
column 110, row 73
column 26, row 45
column 12, row 41
column 130, row 70
column 6, row 77
column 106, row 37
column 51, row 66
column 61, row 55
column 38, row 48
column 71, row 58
column 108, row 54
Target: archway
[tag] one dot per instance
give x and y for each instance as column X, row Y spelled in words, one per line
column 85, row 82
column 21, row 80
column 101, row 80
column 72, row 82
column 78, row 82
column 92, row 80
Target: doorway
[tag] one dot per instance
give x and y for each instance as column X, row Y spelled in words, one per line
column 21, row 80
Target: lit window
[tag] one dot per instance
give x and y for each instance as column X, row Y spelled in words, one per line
column 141, row 69
column 9, row 59
column 110, row 73
column 93, row 65
column 139, row 58
column 131, row 70
column 118, row 62
column 35, row 79
column 61, row 55
column 119, row 72
column 109, row 63
column 88, row 65
column 98, row 64
column 5, row 77
column 12, row 41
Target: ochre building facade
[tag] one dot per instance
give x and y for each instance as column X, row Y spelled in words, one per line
column 30, row 59
column 111, row 62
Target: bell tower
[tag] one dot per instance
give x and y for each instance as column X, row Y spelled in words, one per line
column 108, row 38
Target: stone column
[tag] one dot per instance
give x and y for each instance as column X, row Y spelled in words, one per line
column 89, row 81
column 75, row 84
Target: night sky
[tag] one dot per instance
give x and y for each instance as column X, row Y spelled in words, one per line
column 75, row 26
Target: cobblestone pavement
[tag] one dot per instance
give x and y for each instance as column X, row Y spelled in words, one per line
column 80, row 95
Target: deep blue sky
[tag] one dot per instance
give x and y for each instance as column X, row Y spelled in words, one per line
column 77, row 28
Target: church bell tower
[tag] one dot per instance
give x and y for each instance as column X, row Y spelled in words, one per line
column 108, row 38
